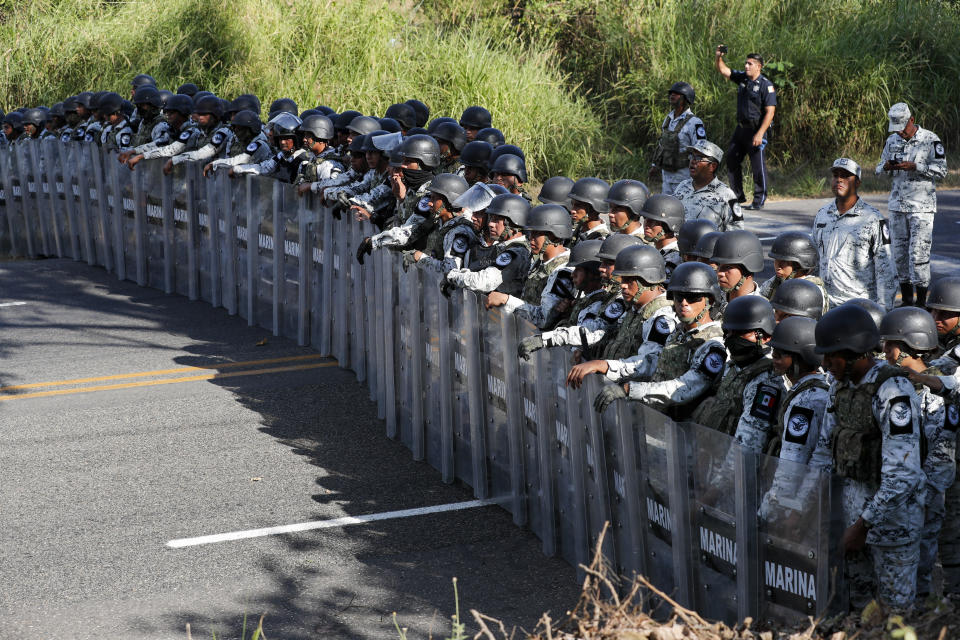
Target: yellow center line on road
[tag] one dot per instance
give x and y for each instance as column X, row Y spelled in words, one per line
column 159, row 372
column 151, row 383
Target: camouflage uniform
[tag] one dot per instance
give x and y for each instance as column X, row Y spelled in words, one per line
column 769, row 287
column 884, row 486
column 689, row 366
column 913, row 201
column 413, row 221
column 658, row 325
column 450, row 164
column 557, row 286
column 539, row 275
column 255, row 152
column 117, row 137
column 607, row 312
column 715, row 202
column 187, row 139
column 91, row 132
column 671, row 256
column 598, row 232
column 690, row 130
column 281, row 165
column 449, row 244
column 344, row 178
column 855, row 254
column 209, row 144
column 155, row 130
column 319, row 167
column 503, row 270
column 585, row 311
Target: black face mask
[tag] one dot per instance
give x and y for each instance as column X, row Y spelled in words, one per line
column 743, row 351
column 415, row 178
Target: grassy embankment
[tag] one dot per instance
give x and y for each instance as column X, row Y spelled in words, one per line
column 579, row 84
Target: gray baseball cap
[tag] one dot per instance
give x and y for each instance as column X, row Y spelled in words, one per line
column 899, row 117
column 707, row 149
column 847, row 165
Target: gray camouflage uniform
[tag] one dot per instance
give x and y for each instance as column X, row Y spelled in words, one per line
column 256, row 152
column 558, row 287
column 855, row 254
column 209, row 145
column 281, row 165
column 715, row 202
column 458, row 237
column 117, row 137
column 656, row 329
column 913, row 201
column 692, row 131
column 413, row 215
column 187, row 139
column 320, row 167
column 893, row 506
column 671, row 257
column 504, row 270
column 610, row 312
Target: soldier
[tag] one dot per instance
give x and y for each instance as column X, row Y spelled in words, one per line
column 643, row 275
column 183, row 131
column 94, row 125
column 492, row 136
column 117, row 135
column 451, row 138
column 853, row 243
column 56, row 121
column 689, row 235
column 421, row 111
column 214, row 135
column 12, row 126
column 505, row 268
column 510, row 172
column 909, row 339
column 549, row 281
column 473, row 119
column 738, row 256
column 317, row 134
column 915, row 160
column 449, row 243
column 247, row 147
column 282, row 105
column 703, row 250
column 801, row 412
column 34, row 124
column 84, row 114
column 153, row 126
column 405, row 116
column 626, row 199
column 794, row 256
column 870, row 437
column 475, row 158
column 340, row 124
column 662, row 218
column 373, row 198
column 411, row 222
column 588, row 201
column 693, row 356
column 72, row 117
column 798, row 298
column 188, row 89
column 703, row 195
column 679, row 131
column 284, row 165
column 556, row 190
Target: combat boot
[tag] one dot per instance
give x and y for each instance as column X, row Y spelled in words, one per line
column 921, row 296
column 906, row 294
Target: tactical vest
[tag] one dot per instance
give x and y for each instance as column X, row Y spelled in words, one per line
column 667, row 155
column 676, row 356
column 722, row 410
column 777, row 282
column 308, row 171
column 857, row 439
column 776, row 439
column 579, row 305
column 538, row 276
column 145, row 131
column 627, row 338
column 435, row 240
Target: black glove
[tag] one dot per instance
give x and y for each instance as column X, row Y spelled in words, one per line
column 336, row 211
column 366, row 247
column 607, row 396
column 408, row 259
column 446, row 287
column 529, row 345
column 343, row 200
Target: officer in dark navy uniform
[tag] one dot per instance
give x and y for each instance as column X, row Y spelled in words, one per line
column 756, row 104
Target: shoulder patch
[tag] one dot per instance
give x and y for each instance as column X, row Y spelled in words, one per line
column 769, row 88
column 563, row 285
column 614, row 310
column 938, row 150
column 701, row 132
column 901, row 416
column 504, row 259
column 460, row 245
column 218, row 138
column 766, row 401
column 252, row 147
column 713, row 363
column 952, row 418
column 885, row 231
column 423, row 205
column 125, row 139
column 184, row 136
column 660, row 331
column 798, row 426
column 88, row 137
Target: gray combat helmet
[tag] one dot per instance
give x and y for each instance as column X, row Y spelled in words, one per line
column 630, row 194
column 423, row 148
column 912, row 326
column 451, row 133
column 592, row 191
column 875, row 310
column 476, row 154
column 666, row 210
column 584, row 254
column 614, row 243
column 110, row 103
column 796, row 336
column 402, row 113
column 690, row 233
column 552, row 219
column 693, row 277
column 706, row 245
column 512, row 207
column 685, row 90
column 363, row 125
column 318, row 127
column 509, row 164
column 945, row 294
column 180, row 103
column 148, row 94
column 36, row 116
column 798, row 297
column 747, row 313
column 475, row 118
column 642, row 261
column 740, row 248
column 448, row 185
column 795, row 246
column 421, row 110
column 493, row 136
column 847, row 328
column 142, row 80
column 556, row 190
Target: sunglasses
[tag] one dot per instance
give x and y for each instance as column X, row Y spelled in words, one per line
column 689, row 298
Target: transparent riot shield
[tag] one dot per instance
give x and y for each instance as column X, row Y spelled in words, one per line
column 565, row 447
column 27, row 189
column 794, row 535
column 122, row 226
column 231, row 238
column 434, row 387
column 532, row 426
column 357, row 299
column 330, row 262
column 496, row 424
column 715, row 537
column 407, row 306
column 7, row 226
column 370, row 300
column 98, row 201
column 288, row 233
column 65, row 240
column 304, row 268
column 180, row 214
column 12, row 205
column 89, row 207
column 390, row 337
column 206, row 216
column 264, row 205
column 148, row 183
column 463, row 338
column 341, row 294
column 319, row 274
column 80, row 239
column 37, row 193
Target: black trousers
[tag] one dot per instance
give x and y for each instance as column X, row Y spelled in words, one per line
column 741, row 146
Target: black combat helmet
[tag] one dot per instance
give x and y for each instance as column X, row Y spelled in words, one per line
column 556, row 190
column 505, row 149
column 945, row 294
column 512, row 165
column 512, row 207
column 319, row 127
column 795, row 246
column 363, row 125
column 248, row 120
column 798, row 297
column 585, row 254
column 684, row 89
column 629, row 194
column 148, row 94
column 422, row 148
column 432, row 126
column 706, row 245
column 449, row 185
column 284, row 104
column 912, row 326
column 402, row 113
column 188, row 89
column 642, row 261
column 690, row 233
column 35, row 116
column 614, row 243
column 209, row 105
column 343, row 120
column 693, row 277
column 876, row 311
column 591, row 191
column 180, row 103
column 421, row 110
column 110, row 103
column 748, row 313
column 475, row 118
column 142, row 80
column 475, row 154
column 451, row 133
column 847, row 328
column 667, row 210
column 741, row 248
column 796, row 336
column 492, row 136
column 552, row 219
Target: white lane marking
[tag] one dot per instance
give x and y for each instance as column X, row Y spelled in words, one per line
column 326, row 524
column 12, row 304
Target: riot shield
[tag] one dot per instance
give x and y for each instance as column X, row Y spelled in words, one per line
column 494, row 384
column 11, row 203
column 27, row 189
column 149, row 219
column 260, row 236
column 176, row 195
column 370, row 301
column 304, row 268
column 390, row 335
column 531, row 431
column 341, row 314
column 88, row 208
column 407, row 307
column 288, row 233
column 319, row 273
column 98, row 200
column 471, row 336
column 206, row 219
column 7, row 226
column 356, row 304
column 433, row 385
column 65, row 239
column 80, row 240
column 330, row 261
column 38, row 197
column 231, row 237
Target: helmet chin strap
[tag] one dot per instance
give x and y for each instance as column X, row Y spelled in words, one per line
column 642, row 289
column 697, row 318
column 737, row 286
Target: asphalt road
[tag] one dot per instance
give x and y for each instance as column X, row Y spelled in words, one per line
column 95, row 482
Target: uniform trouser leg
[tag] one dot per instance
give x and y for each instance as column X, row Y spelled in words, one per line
column 933, row 521
column 741, row 145
column 888, row 572
column 911, row 237
column 950, row 540
column 671, row 179
column 734, row 157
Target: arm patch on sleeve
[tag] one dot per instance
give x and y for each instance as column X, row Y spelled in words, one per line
column 460, row 245
column 938, row 150
column 563, row 285
column 701, row 132
column 251, row 148
column 951, row 419
column 184, row 136
column 218, row 138
column 660, row 331
column 504, row 259
column 885, row 232
column 798, row 426
column 614, row 310
column 712, row 365
column 765, row 403
column 901, row 416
